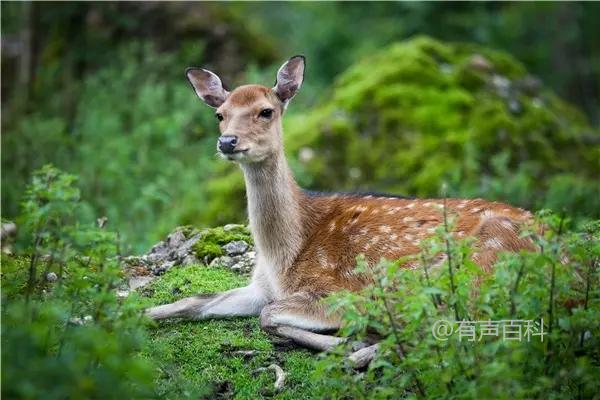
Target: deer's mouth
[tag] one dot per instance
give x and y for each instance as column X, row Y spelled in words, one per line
column 235, row 155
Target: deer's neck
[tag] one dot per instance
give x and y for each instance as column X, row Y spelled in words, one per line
column 275, row 210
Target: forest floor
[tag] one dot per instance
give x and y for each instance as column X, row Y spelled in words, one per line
column 208, row 359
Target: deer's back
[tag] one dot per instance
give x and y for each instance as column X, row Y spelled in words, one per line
column 391, row 228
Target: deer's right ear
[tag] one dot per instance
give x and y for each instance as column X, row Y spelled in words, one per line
column 207, row 86
column 289, row 78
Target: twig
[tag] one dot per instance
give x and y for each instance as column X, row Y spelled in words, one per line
column 280, row 375
column 449, row 255
column 593, row 265
column 551, row 302
column 513, row 306
column 395, row 331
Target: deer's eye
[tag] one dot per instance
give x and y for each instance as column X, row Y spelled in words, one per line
column 219, row 116
column 266, row 113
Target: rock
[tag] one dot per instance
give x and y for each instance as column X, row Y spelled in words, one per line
column 186, row 247
column 9, row 229
column 224, row 261
column 502, row 85
column 235, row 248
column 244, row 263
column 51, row 277
column 137, row 282
column 163, row 268
column 480, row 63
column 175, row 239
column 190, row 260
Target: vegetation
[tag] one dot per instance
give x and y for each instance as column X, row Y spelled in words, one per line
column 404, row 307
column 64, row 332
column 188, row 351
column 488, row 98
column 209, row 245
column 103, row 95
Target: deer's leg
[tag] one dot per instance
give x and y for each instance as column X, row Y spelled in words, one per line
column 298, row 317
column 244, row 301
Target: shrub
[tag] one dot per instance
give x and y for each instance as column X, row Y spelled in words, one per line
column 65, row 334
column 558, row 286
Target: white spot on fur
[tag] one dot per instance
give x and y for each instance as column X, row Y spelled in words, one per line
column 493, row 243
column 507, row 224
column 476, row 210
column 393, row 237
column 385, row 229
column 487, row 214
column 332, row 226
column 408, row 237
column 407, row 219
column 410, row 205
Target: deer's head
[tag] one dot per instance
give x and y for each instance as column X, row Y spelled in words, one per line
column 249, row 116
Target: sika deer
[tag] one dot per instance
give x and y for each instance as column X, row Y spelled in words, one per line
column 307, row 244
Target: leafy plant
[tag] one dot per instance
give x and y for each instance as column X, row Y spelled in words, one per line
column 557, row 289
column 65, row 334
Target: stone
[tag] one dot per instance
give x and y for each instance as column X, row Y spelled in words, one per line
column 223, row 261
column 235, row 248
column 190, row 260
column 137, row 282
column 479, row 62
column 175, row 239
column 51, row 277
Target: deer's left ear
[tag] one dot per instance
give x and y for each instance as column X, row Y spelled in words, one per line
column 289, row 78
column 207, row 86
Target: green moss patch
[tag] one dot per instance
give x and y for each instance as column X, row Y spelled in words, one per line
column 209, row 245
column 201, row 359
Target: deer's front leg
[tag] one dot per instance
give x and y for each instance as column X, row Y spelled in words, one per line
column 245, row 301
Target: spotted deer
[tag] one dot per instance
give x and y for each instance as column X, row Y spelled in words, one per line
column 307, row 243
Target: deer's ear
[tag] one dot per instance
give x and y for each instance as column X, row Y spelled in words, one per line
column 207, row 86
column 289, row 78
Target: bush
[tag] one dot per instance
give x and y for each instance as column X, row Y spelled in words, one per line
column 65, row 334
column 559, row 287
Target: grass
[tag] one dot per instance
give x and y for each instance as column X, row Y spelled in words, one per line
column 197, row 358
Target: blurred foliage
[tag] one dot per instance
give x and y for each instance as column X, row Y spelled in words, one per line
column 98, row 90
column 64, row 332
column 402, row 307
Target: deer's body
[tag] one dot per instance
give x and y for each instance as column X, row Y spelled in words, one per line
column 307, row 244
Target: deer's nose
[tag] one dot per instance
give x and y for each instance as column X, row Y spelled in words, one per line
column 227, row 143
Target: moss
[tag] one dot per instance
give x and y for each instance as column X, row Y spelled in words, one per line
column 198, row 358
column 211, row 240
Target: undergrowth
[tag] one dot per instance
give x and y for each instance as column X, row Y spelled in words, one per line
column 531, row 329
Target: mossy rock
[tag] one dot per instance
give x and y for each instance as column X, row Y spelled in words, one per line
column 421, row 113
column 209, row 245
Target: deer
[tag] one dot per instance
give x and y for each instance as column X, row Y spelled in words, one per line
column 307, row 243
